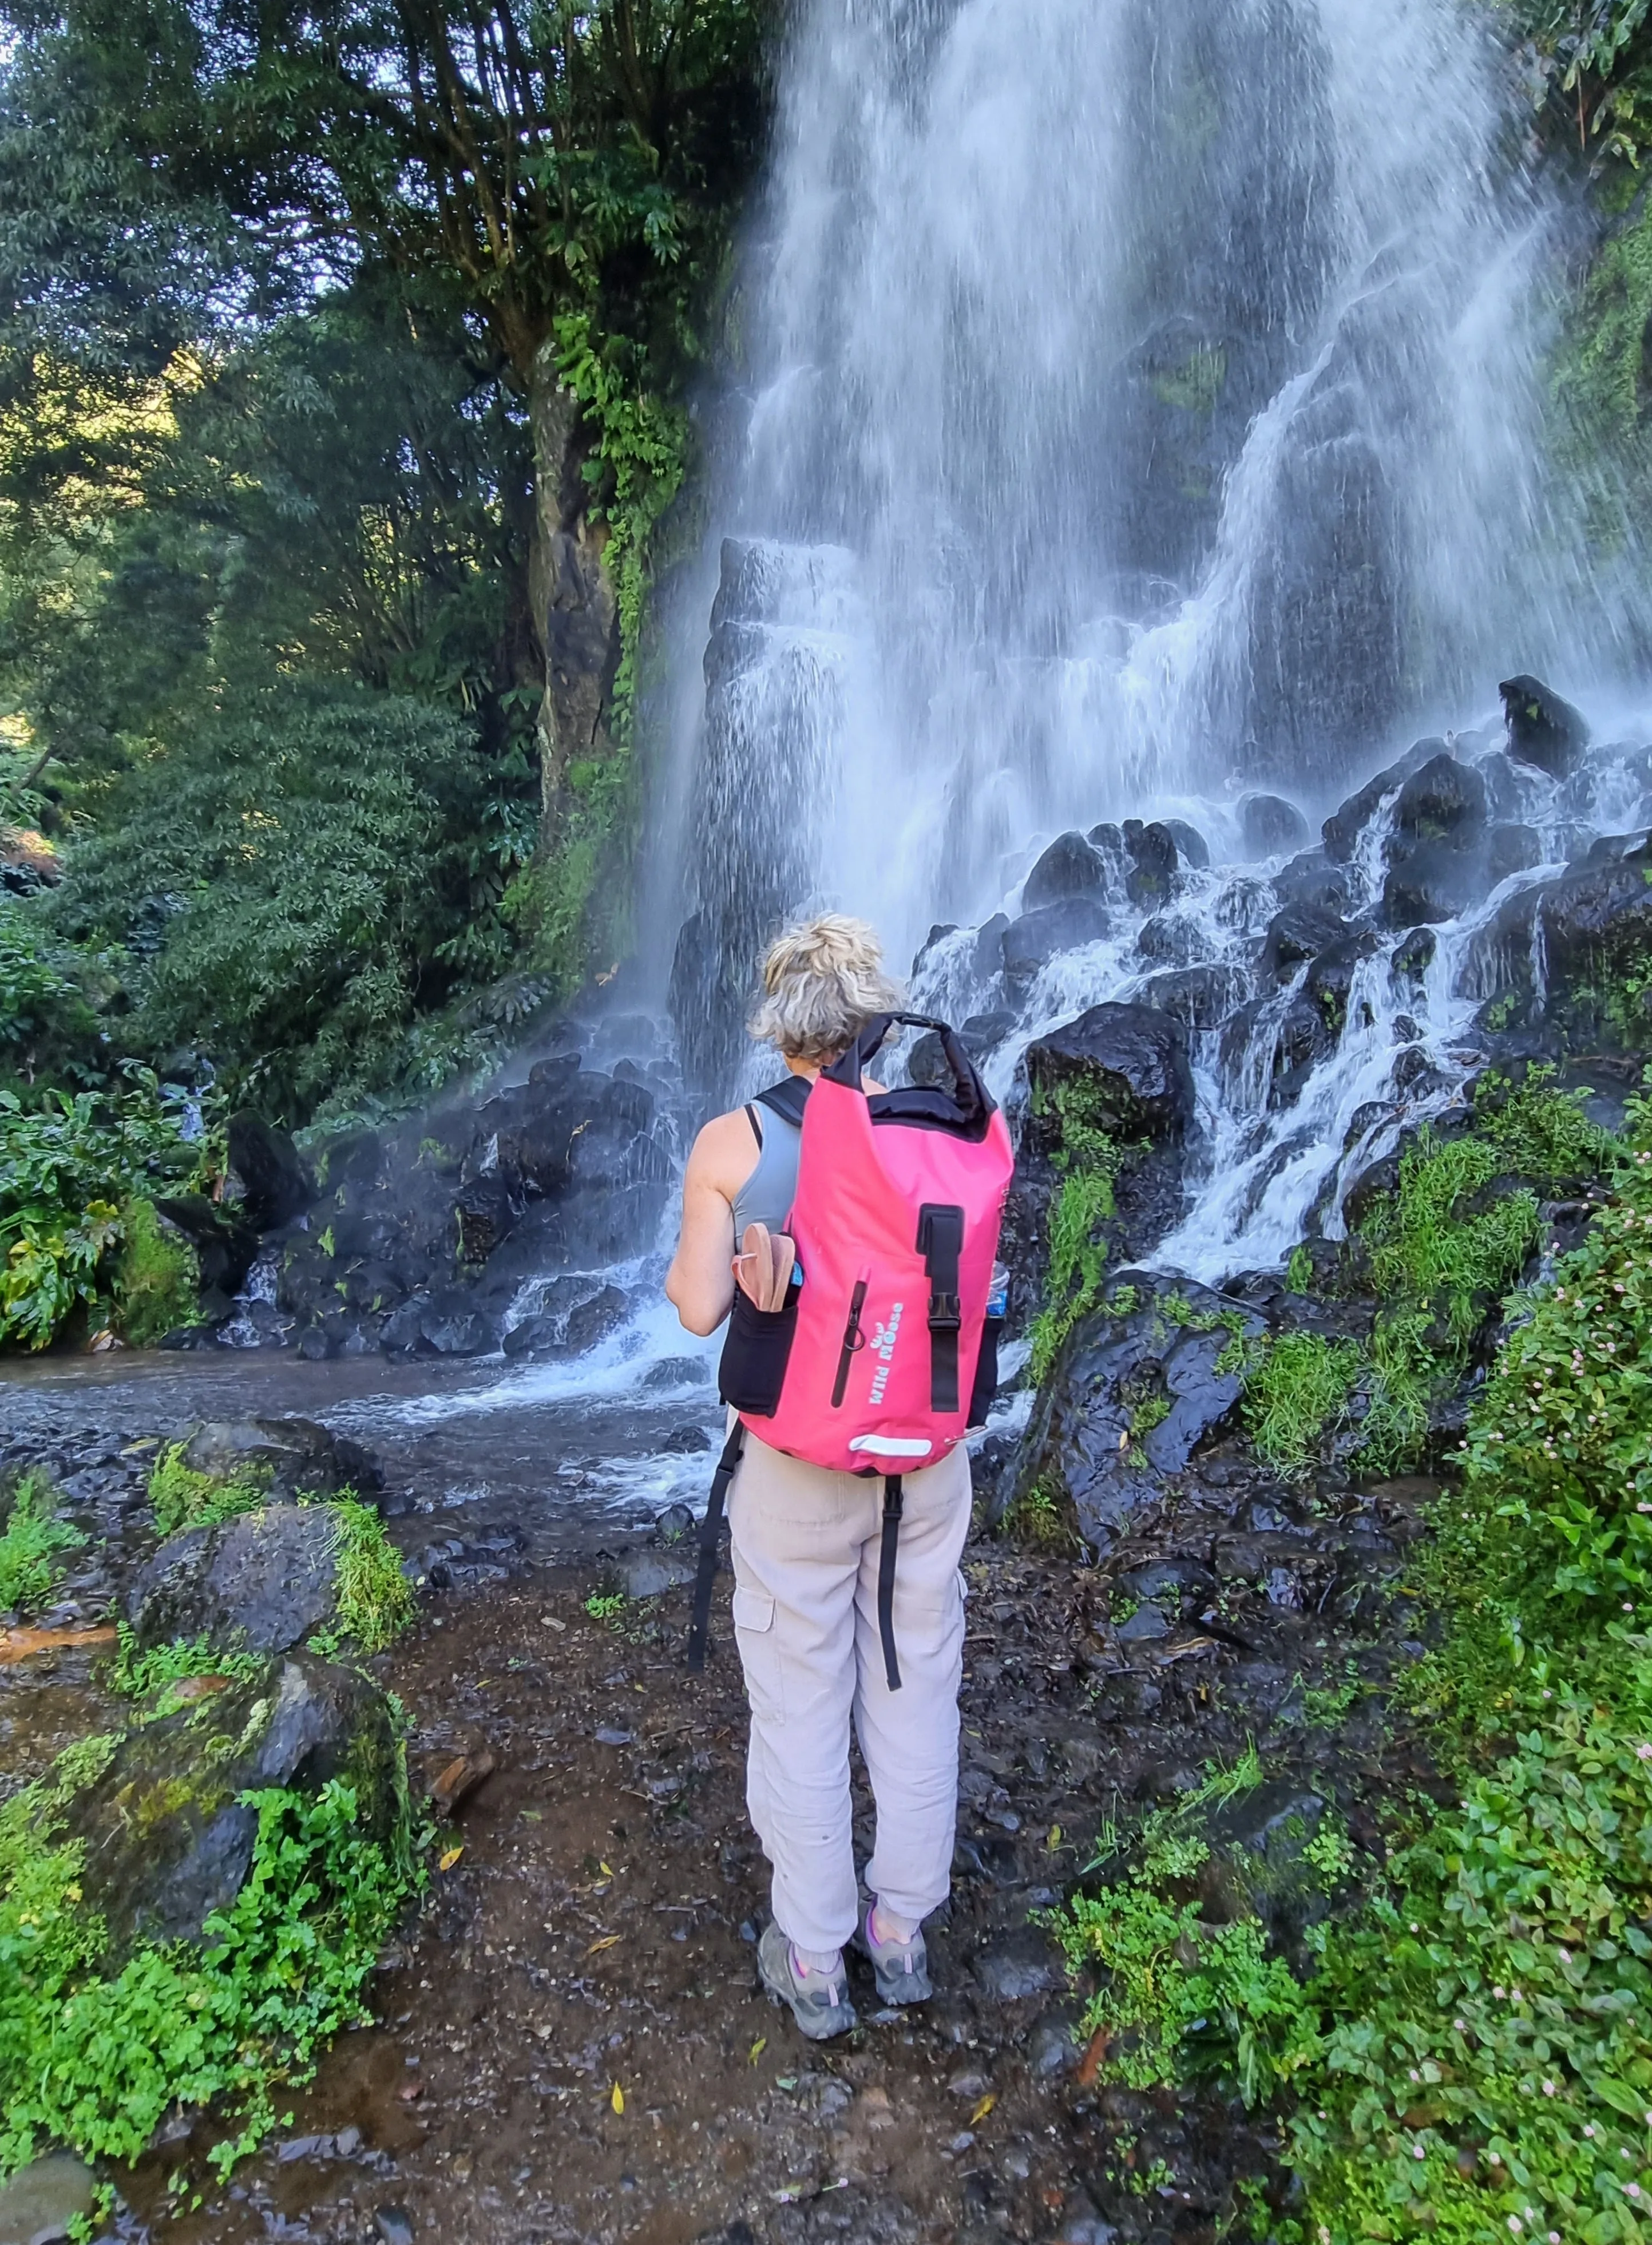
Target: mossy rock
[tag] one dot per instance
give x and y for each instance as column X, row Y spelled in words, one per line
column 168, row 1838
column 261, row 1581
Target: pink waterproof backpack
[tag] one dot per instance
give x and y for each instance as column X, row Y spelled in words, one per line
column 884, row 1354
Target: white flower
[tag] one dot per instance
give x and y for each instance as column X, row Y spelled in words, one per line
column 1515, row 2224
column 1500, row 1993
column 1588, row 2128
column 1418, row 2153
column 1566, row 1955
column 1643, row 1751
column 1549, row 2089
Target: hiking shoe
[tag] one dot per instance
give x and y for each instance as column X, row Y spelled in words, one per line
column 901, row 1968
column 819, row 2000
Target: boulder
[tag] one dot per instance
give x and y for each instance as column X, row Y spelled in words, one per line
column 1269, row 825
column 1031, row 942
column 1312, row 880
column 1330, row 980
column 225, row 1241
column 1152, row 852
column 1342, row 829
column 300, row 1457
column 1122, row 1364
column 575, row 1312
column 51, row 2200
column 1301, row 931
column 1512, row 848
column 1133, row 1062
column 260, row 1581
column 1442, row 801
column 265, row 1174
column 1542, row 730
column 1413, row 954
column 1266, row 1048
column 1593, row 928
column 1191, row 847
column 167, row 1835
column 1199, row 997
column 1436, row 852
column 1171, row 940
column 1068, row 868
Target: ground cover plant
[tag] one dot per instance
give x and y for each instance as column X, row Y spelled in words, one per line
column 95, row 2051
column 32, row 1545
column 1464, row 2050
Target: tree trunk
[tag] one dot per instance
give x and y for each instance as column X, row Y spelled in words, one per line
column 576, row 616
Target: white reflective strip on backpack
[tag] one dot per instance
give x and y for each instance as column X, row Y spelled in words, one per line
column 890, row 1445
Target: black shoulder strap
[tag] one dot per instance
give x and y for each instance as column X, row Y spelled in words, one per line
column 787, row 1098
column 709, row 1532
column 756, row 1127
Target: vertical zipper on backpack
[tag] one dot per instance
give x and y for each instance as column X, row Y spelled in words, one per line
column 854, row 1339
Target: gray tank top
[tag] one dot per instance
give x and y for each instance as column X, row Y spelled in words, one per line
column 768, row 1194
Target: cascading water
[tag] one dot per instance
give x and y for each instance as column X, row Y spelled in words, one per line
column 1145, row 401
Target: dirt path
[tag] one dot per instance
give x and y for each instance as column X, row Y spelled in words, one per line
column 596, row 1933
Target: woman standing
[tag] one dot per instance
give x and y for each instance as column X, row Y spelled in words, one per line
column 806, row 1552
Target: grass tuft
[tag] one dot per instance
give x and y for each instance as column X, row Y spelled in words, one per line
column 30, row 1548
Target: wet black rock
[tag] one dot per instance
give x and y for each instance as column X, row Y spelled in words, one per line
column 1312, row 880
column 1436, row 853
column 1133, row 1064
column 1542, row 730
column 224, row 1242
column 261, row 1581
column 567, row 1168
column 266, row 1176
column 1274, row 1044
column 937, row 933
column 676, row 1372
column 575, row 1312
column 687, row 1441
column 1198, row 997
column 1300, row 931
column 300, row 1457
column 1440, row 802
column 1593, row 926
column 167, row 1836
column 1342, row 829
column 1130, row 1360
column 1330, row 980
column 1414, row 953
column 1152, row 852
column 1031, row 941
column 1512, row 849
column 1068, row 868
column 1169, row 940
column 1269, row 824
column 1191, row 847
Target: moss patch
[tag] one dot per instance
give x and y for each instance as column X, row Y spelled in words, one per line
column 31, row 1547
column 157, row 1277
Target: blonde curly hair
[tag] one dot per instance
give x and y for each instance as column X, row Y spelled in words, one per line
column 823, row 980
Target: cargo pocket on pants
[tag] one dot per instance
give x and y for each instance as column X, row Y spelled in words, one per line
column 754, row 1612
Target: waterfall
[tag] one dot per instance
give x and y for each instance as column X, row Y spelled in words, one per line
column 1142, row 401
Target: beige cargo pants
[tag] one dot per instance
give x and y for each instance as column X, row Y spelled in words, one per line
column 805, row 1548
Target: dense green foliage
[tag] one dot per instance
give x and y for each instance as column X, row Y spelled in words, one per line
column 95, row 2053
column 1469, row 2052
column 157, row 1281
column 31, row 1546
column 149, row 1675
column 318, row 331
column 1086, row 1160
column 1439, row 1254
column 181, row 1497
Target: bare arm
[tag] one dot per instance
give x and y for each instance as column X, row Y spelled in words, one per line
column 701, row 1283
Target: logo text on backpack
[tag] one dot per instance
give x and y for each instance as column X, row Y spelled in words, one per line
column 883, row 1349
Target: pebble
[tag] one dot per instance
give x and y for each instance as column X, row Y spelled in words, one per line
column 38, row 2203
column 650, row 1574
column 961, row 2142
column 1083, row 2225
column 968, row 2084
column 393, row 2225
column 607, row 1736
